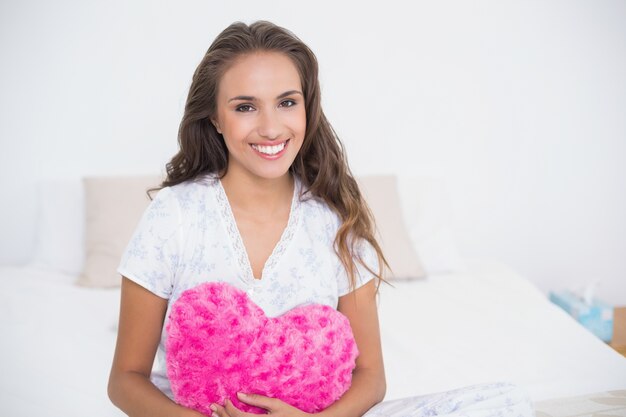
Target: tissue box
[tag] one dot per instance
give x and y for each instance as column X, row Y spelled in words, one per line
column 597, row 317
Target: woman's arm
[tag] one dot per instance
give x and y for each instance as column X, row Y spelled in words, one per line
column 368, row 379
column 141, row 320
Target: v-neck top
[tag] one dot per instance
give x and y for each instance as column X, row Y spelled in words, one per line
column 188, row 235
column 235, row 236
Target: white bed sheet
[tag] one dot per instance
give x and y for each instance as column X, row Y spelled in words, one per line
column 442, row 333
column 486, row 325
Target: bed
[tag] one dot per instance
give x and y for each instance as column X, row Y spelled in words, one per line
column 469, row 321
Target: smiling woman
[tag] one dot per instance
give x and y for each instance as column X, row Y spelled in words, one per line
column 260, row 182
column 260, row 198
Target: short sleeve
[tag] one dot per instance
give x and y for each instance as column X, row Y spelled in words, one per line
column 363, row 276
column 151, row 257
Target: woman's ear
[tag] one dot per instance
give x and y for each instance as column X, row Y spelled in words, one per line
column 217, row 126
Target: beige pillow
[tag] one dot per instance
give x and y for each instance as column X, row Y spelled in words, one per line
column 113, row 208
column 381, row 194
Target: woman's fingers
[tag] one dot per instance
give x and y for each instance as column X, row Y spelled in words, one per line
column 261, row 401
column 234, row 411
column 257, row 400
column 219, row 411
column 271, row 405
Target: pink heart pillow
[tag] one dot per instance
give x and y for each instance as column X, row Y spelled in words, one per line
column 219, row 342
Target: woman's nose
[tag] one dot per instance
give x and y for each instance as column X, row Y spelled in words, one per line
column 269, row 124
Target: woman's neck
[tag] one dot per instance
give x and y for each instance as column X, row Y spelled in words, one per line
column 258, row 195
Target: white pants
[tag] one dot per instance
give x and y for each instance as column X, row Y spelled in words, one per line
column 498, row 399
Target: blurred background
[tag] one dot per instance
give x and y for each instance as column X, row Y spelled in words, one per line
column 519, row 107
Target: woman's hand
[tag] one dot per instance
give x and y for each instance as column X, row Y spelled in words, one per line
column 274, row 406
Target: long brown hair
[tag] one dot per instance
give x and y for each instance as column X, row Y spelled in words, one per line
column 320, row 165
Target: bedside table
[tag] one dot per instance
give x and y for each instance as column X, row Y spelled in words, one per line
column 619, row 330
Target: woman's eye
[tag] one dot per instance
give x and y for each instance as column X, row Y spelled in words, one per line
column 288, row 103
column 244, row 108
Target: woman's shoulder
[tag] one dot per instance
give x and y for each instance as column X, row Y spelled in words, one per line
column 317, row 210
column 189, row 194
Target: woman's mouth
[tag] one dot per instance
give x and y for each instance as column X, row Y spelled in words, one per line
column 270, row 152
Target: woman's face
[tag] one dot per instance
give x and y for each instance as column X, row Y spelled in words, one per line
column 261, row 114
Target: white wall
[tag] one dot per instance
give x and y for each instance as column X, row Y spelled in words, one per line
column 519, row 106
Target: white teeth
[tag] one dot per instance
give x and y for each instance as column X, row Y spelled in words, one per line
column 269, row 150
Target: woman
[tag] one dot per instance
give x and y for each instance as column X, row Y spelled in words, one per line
column 259, row 195
column 253, row 119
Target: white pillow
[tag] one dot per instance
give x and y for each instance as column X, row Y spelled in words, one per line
column 428, row 215
column 84, row 239
column 59, row 244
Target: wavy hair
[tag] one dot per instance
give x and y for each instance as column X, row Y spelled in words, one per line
column 321, row 164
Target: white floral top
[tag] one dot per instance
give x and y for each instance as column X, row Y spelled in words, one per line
column 188, row 236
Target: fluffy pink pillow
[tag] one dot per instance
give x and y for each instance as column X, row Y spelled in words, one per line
column 219, row 342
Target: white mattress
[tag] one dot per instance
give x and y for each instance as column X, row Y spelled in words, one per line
column 57, row 345
column 442, row 333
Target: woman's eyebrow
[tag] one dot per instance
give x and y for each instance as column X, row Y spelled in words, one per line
column 252, row 98
column 288, row 93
